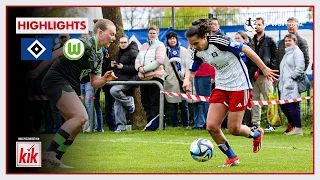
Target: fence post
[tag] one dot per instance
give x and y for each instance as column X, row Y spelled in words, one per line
column 173, row 18
column 161, row 107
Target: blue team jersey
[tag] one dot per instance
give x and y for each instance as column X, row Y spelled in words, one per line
column 223, row 54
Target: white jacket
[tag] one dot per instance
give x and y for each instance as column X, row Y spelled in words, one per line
column 171, row 83
column 291, row 67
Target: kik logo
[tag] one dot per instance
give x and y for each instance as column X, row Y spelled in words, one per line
column 73, row 49
column 28, row 154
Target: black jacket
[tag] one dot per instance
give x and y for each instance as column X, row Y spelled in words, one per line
column 266, row 50
column 251, row 66
column 302, row 44
column 126, row 57
column 106, row 66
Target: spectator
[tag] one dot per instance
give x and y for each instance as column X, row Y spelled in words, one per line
column 251, row 66
column 35, row 108
column 52, row 116
column 86, row 92
column 109, row 117
column 123, row 67
column 149, row 64
column 232, row 92
column 97, row 106
column 202, row 84
column 90, row 95
column 98, row 114
column 242, row 37
column 291, row 67
column 292, row 26
column 215, row 27
column 266, row 49
column 177, row 61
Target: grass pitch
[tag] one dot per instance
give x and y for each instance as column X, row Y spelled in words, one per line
column 167, row 152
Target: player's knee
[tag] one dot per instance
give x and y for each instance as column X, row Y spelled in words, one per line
column 83, row 119
column 213, row 128
column 234, row 130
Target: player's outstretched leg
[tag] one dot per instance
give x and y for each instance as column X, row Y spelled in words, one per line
column 217, row 112
column 257, row 140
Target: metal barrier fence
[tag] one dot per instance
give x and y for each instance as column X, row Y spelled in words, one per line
column 161, row 106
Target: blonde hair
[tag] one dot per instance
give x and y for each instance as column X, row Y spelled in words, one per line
column 101, row 24
column 153, row 27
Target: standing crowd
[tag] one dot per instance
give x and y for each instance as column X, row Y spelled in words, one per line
column 232, row 71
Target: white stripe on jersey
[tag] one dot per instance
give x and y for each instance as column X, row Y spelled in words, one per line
column 219, row 41
column 217, row 37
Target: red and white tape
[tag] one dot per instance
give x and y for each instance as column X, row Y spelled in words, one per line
column 43, row 98
column 261, row 103
column 194, row 97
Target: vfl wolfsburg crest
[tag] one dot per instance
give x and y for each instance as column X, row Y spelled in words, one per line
column 73, row 49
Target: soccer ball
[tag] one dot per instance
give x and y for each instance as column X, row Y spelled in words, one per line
column 201, row 150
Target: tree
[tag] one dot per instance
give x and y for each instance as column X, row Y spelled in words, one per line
column 138, row 118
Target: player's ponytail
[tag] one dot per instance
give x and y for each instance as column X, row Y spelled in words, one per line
column 200, row 28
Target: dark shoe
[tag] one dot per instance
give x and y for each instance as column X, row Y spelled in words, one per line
column 269, row 128
column 289, row 128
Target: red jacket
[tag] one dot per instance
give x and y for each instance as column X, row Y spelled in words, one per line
column 206, row 70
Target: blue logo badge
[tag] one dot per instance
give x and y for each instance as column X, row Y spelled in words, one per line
column 36, row 49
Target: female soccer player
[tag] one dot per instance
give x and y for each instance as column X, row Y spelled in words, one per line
column 233, row 88
column 62, row 82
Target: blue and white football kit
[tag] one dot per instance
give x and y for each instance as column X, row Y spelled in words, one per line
column 231, row 72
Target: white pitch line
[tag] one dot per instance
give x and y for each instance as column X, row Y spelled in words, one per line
column 135, row 140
